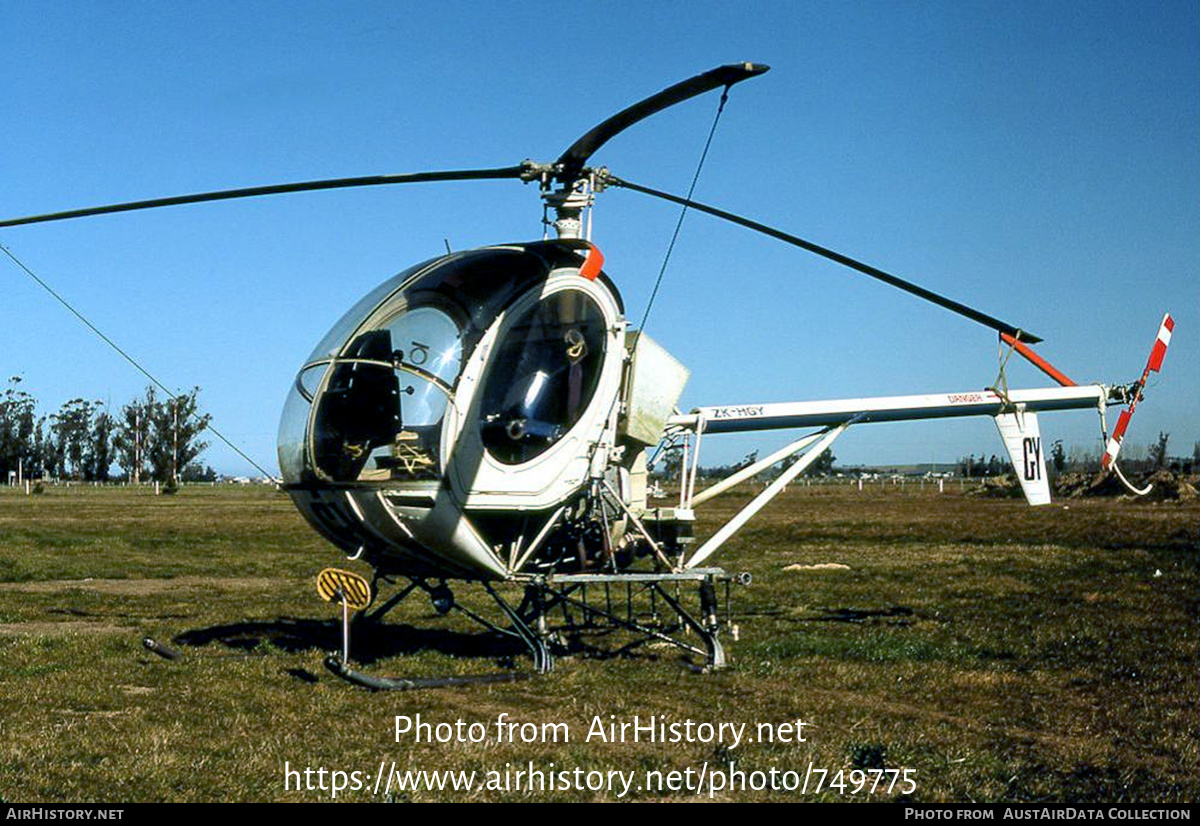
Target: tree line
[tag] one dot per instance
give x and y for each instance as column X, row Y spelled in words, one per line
column 668, row 466
column 151, row 439
column 1134, row 458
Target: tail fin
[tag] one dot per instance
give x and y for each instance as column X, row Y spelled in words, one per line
column 1019, row 430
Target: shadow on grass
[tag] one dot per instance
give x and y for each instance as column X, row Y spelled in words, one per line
column 863, row 615
column 370, row 642
column 373, row 643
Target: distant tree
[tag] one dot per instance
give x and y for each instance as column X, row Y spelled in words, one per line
column 52, row 451
column 41, row 451
column 175, row 425
column 1083, row 460
column 668, row 464
column 131, row 439
column 17, row 429
column 1058, row 456
column 966, row 466
column 722, row 471
column 787, row 462
column 994, row 466
column 195, row 472
column 72, row 429
column 99, row 457
column 1158, row 451
column 822, row 465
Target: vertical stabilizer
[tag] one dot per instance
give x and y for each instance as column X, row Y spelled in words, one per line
column 1019, row 430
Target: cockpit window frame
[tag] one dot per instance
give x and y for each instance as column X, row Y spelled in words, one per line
column 524, row 437
column 472, row 309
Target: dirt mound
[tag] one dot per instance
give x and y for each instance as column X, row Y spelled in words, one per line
column 997, row 487
column 1170, row 486
column 1076, row 485
column 1165, row 486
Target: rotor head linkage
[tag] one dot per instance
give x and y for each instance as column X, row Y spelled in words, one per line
column 569, row 204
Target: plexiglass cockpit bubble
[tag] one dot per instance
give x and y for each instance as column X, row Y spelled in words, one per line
column 370, row 401
column 545, row 375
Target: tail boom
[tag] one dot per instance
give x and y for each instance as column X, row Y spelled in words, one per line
column 782, row 415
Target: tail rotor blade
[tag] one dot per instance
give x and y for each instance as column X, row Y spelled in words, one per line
column 837, row 257
column 1153, row 365
column 275, row 189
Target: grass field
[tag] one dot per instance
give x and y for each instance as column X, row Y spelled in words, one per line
column 970, row 650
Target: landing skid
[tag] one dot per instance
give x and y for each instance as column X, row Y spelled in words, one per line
column 336, row 666
column 559, row 614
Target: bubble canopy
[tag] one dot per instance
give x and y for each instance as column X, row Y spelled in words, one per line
column 368, row 404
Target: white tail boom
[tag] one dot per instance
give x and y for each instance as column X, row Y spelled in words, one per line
column 1015, row 413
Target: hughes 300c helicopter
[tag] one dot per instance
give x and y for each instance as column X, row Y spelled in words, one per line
column 489, row 416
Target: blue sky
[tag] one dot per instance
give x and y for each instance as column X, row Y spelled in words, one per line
column 1038, row 160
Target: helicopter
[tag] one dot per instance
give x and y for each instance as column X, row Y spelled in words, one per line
column 491, row 416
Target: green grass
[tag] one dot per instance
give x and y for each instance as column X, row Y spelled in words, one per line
column 997, row 652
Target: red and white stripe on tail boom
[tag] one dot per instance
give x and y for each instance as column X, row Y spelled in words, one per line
column 1153, row 365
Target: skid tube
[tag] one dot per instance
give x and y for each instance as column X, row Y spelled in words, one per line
column 443, row 602
column 555, row 607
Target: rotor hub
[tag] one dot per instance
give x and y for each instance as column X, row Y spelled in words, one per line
column 570, row 202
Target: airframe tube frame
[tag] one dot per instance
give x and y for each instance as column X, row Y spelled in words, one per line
column 836, row 416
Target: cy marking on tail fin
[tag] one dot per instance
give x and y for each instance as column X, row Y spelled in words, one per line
column 1019, row 430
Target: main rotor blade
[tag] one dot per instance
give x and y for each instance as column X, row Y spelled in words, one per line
column 275, row 189
column 577, row 154
column 845, row 260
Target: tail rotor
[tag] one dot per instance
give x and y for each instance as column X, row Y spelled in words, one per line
column 1108, row 462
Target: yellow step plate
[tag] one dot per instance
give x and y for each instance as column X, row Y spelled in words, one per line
column 355, row 589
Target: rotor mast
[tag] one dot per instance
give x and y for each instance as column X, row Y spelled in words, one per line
column 569, row 202
column 568, row 196
column 577, row 182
